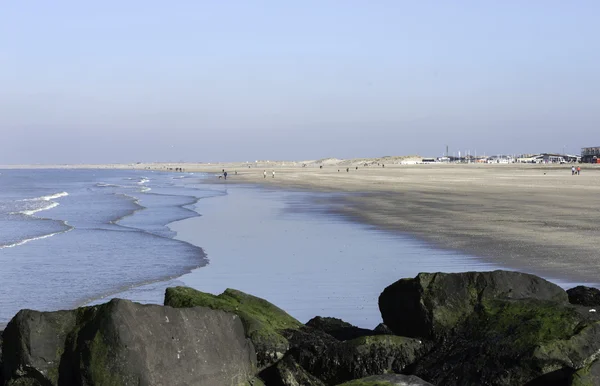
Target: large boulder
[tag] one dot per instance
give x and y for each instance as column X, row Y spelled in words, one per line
column 585, row 296
column 332, row 361
column 125, row 343
column 338, row 328
column 264, row 322
column 431, row 305
column 388, row 380
column 515, row 342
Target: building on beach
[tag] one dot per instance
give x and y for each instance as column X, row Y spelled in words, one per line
column 590, row 154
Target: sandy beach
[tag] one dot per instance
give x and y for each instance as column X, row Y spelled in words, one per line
column 538, row 218
column 534, row 217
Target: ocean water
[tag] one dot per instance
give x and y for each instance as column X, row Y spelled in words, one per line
column 70, row 236
column 75, row 237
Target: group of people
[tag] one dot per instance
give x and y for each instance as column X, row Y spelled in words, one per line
column 575, row 170
column 265, row 174
column 224, row 175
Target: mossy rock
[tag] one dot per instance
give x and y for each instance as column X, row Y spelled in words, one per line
column 287, row 372
column 334, row 362
column 587, row 376
column 513, row 342
column 388, row 380
column 431, row 305
column 125, row 343
column 263, row 321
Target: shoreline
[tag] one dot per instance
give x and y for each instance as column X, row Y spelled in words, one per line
column 527, row 217
column 536, row 218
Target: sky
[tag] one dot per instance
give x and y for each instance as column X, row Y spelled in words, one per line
column 243, row 80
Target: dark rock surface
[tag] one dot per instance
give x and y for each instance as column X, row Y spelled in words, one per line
column 585, row 296
column 121, row 342
column 382, row 329
column 492, row 328
column 432, row 304
column 388, row 380
column 287, row 372
column 476, row 328
column 333, row 361
column 587, row 376
column 263, row 321
column 338, row 328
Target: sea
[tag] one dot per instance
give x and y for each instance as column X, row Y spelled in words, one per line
column 72, row 237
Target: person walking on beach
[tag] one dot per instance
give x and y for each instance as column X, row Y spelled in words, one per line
column 578, row 170
column 273, row 173
column 572, row 170
column 225, row 175
column 265, row 174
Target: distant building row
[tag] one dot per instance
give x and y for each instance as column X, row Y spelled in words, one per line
column 590, row 154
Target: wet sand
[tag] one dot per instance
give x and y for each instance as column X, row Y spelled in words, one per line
column 536, row 218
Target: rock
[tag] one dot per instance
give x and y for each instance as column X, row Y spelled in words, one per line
column 587, row 376
column 333, row 362
column 1, row 377
column 255, row 382
column 585, row 296
column 432, row 304
column 287, row 372
column 514, row 342
column 263, row 321
column 382, row 329
column 338, row 328
column 122, row 342
column 388, row 380
column 33, row 346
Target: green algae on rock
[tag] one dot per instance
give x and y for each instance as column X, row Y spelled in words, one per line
column 388, row 380
column 264, row 322
column 432, row 304
column 125, row 343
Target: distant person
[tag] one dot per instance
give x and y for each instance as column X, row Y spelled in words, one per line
column 572, row 170
column 236, row 172
column 382, row 165
column 321, row 167
column 347, row 170
column 578, row 170
column 273, row 173
column 357, row 168
column 225, row 175
column 265, row 174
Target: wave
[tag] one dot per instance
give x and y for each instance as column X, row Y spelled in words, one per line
column 104, row 185
column 25, row 241
column 51, row 204
column 48, row 198
column 146, row 189
column 143, row 181
column 31, row 212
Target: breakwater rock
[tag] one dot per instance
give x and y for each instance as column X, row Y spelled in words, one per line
column 473, row 328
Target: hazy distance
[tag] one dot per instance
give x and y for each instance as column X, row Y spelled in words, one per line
column 127, row 81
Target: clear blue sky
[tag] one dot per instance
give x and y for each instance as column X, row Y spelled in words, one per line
column 121, row 81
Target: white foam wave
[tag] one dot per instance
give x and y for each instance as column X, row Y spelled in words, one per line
column 104, row 185
column 25, row 241
column 143, row 181
column 31, row 212
column 48, row 198
column 146, row 189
